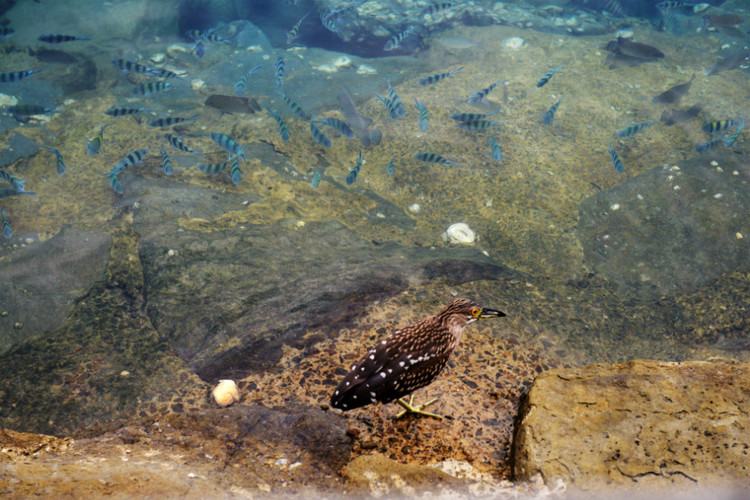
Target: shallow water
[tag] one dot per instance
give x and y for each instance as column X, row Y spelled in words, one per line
column 279, row 284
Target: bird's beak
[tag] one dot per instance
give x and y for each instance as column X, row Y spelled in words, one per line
column 491, row 313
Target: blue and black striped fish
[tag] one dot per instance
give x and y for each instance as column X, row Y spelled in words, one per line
column 398, row 106
column 146, row 89
column 424, row 118
column 230, row 145
column 16, row 183
column 497, row 153
column 166, row 163
column 130, row 160
column 163, row 73
column 471, row 117
column 434, row 158
column 235, row 171
column 389, row 106
column 58, row 38
column 93, row 146
column 283, row 131
column 352, row 176
column 543, row 80
column 24, row 110
column 635, row 128
column 318, row 135
column 481, row 94
column 616, row 161
column 391, row 168
column 170, row 120
column 315, row 179
column 478, row 125
column 394, row 42
column 296, row 108
column 549, row 116
column 7, row 231
column 176, row 142
column 114, row 182
column 239, row 87
column 729, row 142
column 436, row 8
column 279, row 74
column 429, row 80
column 293, row 33
column 719, row 125
column 15, row 76
column 59, row 162
column 115, row 111
column 337, row 124
column 709, row 145
column 131, row 67
column 213, row 168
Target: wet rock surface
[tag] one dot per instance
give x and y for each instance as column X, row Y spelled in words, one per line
column 645, row 423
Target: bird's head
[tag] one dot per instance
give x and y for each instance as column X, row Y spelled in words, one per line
column 462, row 312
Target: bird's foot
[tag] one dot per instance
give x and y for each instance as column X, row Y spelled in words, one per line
column 417, row 410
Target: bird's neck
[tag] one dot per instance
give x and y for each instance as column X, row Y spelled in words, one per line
column 456, row 327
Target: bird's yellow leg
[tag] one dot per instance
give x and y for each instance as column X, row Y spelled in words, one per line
column 417, row 410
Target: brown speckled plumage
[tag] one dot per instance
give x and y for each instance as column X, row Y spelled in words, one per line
column 410, row 358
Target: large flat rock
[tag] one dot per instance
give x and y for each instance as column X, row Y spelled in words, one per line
column 644, row 424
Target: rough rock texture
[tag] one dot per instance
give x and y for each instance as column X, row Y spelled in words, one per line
column 673, row 228
column 644, row 423
column 41, row 283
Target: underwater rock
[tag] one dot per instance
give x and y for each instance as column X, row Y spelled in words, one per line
column 675, row 227
column 644, row 424
column 42, row 282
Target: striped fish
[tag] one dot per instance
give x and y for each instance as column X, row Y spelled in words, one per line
column 58, row 38
column 29, row 110
column 7, row 231
column 229, row 144
column 319, row 136
column 114, row 182
column 429, row 80
column 131, row 67
column 616, row 161
column 146, row 89
column 235, row 171
column 497, row 153
column 93, row 146
column 115, row 111
column 543, row 80
column 296, row 108
column 60, row 163
column 729, row 142
column 166, row 163
column 634, row 129
column 170, row 120
column 472, row 117
column 719, row 125
column 398, row 106
column 481, row 94
column 549, row 116
column 279, row 74
column 391, row 168
column 177, row 143
column 16, row 184
column 163, row 73
column 283, row 131
column 434, row 158
column 424, row 118
column 337, row 124
column 239, row 87
column 355, row 171
column 6, row 192
column 436, row 8
column 292, row 35
column 708, row 145
column 212, row 168
column 394, row 42
column 478, row 125
column 15, row 76
column 315, row 179
column 389, row 106
column 129, row 161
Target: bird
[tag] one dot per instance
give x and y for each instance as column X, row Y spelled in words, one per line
column 408, row 359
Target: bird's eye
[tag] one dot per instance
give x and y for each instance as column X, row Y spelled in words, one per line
column 475, row 312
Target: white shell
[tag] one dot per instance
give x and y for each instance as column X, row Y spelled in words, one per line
column 515, row 43
column 226, row 393
column 459, row 234
column 342, row 62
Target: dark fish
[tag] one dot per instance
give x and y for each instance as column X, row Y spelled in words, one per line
column 722, row 20
column 389, row 106
column 163, row 73
column 279, row 74
column 315, row 179
column 292, row 35
column 616, row 161
column 239, row 87
column 337, row 124
column 60, row 163
column 115, row 111
column 166, row 163
column 434, row 158
column 398, row 106
column 436, row 8
column 424, row 118
column 728, row 63
column 57, row 38
column 114, row 182
column 497, row 153
column 16, row 183
column 93, row 146
column 708, row 145
column 131, row 67
column 170, row 120
column 230, row 145
column 52, row 56
column 612, row 6
column 394, row 42
column 231, row 104
column 283, row 131
column 29, row 110
column 681, row 115
column 7, row 231
column 631, row 130
column 177, row 143
column 674, row 94
column 481, row 94
column 235, row 171
column 477, row 125
column 472, row 117
column 130, row 160
column 719, row 125
column 146, row 89
column 199, row 49
column 549, row 116
column 14, row 76
column 391, row 168
column 319, row 136
column 212, row 168
column 358, row 123
column 627, row 47
column 729, row 142
column 352, row 176
column 544, row 79
column 5, row 193
column 429, row 80
column 296, row 108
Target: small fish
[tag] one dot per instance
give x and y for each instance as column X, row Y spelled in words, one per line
column 170, row 120
column 728, row 63
column 337, row 124
column 434, row 158
column 673, row 5
column 166, row 163
column 544, row 79
column 93, row 146
column 292, row 35
column 481, row 94
column 296, row 108
column 229, row 144
column 478, row 125
column 131, row 67
column 429, row 80
column 631, row 130
column 708, row 145
column 436, row 8
column 114, row 182
column 719, row 125
column 283, row 131
column 352, row 176
column 213, row 168
column 115, row 111
column 315, row 179
column 497, row 153
column 358, row 123
column 149, row 88
column 60, row 163
column 57, row 38
column 199, row 49
column 388, row 105
column 163, row 73
column 391, row 168
column 319, row 136
column 15, row 76
column 29, row 110
column 394, row 42
column 424, row 118
column 176, row 142
column 239, row 87
column 729, row 142
column 7, row 231
column 681, row 115
column 616, row 161
column 472, row 117
column 674, row 94
column 398, row 106
column 16, row 183
column 231, row 104
column 6, row 192
column 629, row 48
column 279, row 74
column 130, row 160
column 235, row 171
column 723, row 20
column 549, row 116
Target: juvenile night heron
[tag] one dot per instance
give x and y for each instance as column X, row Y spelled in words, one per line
column 408, row 359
